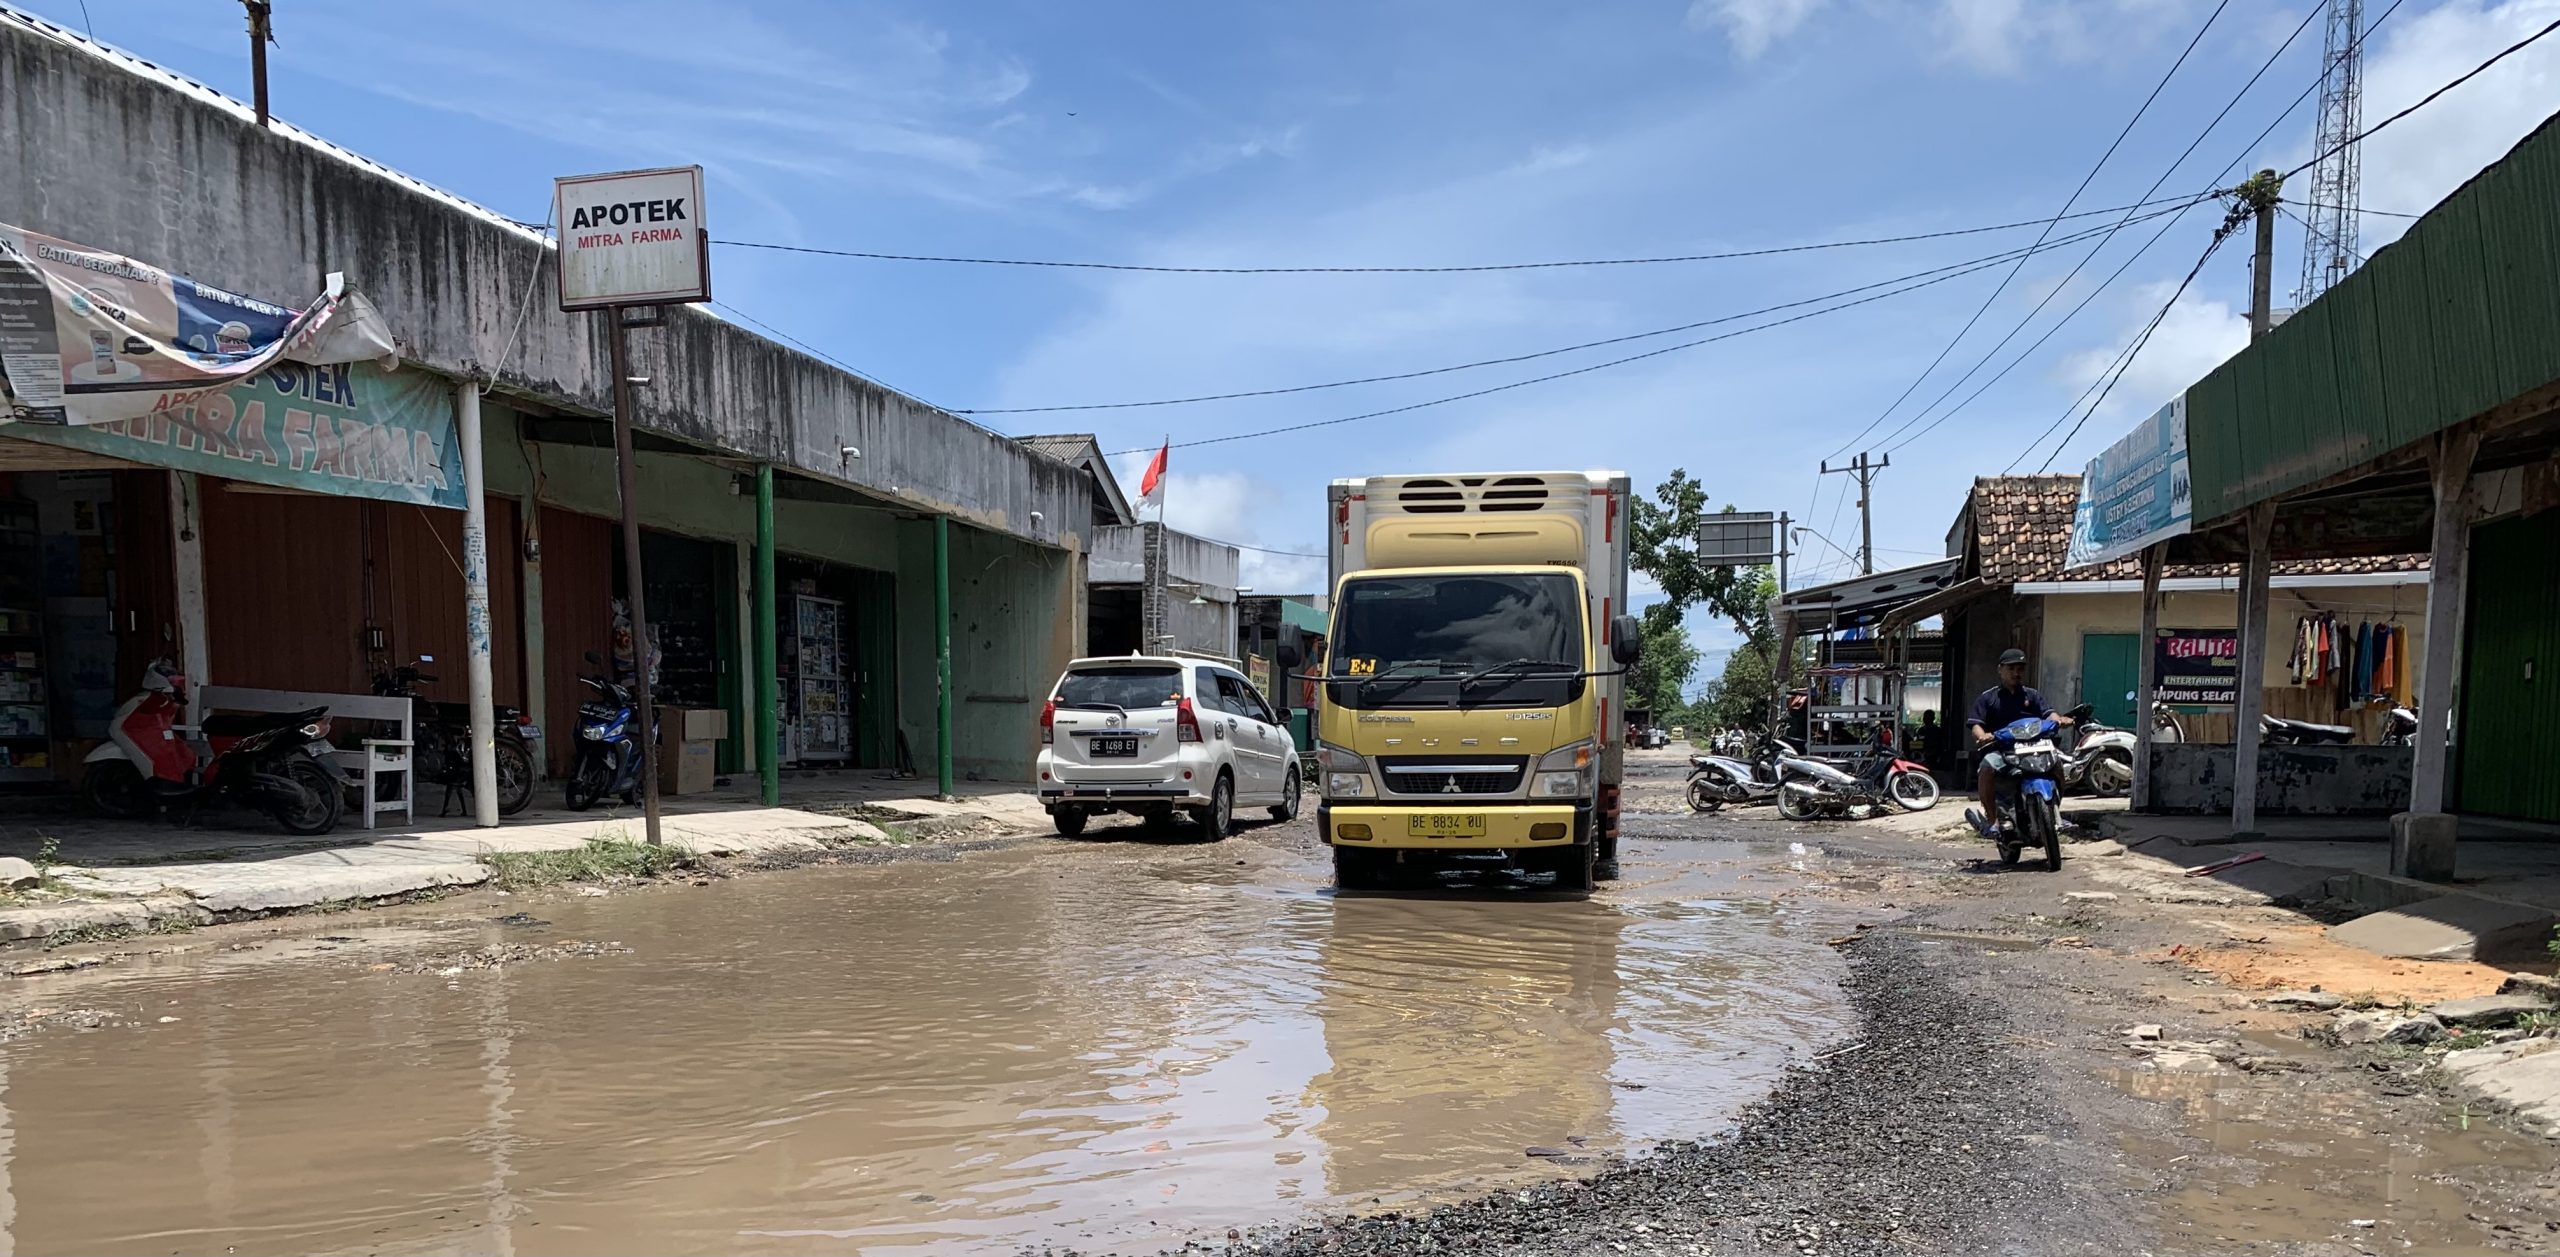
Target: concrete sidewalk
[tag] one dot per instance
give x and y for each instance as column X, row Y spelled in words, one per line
column 125, row 874
column 2502, row 907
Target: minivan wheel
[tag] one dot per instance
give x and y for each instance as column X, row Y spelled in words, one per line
column 1218, row 820
column 1289, row 790
column 1070, row 821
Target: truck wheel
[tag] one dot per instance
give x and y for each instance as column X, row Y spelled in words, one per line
column 1604, row 862
column 1576, row 868
column 1354, row 869
column 1070, row 821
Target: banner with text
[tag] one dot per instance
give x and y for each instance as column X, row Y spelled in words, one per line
column 2198, row 666
column 352, row 429
column 93, row 337
column 2135, row 493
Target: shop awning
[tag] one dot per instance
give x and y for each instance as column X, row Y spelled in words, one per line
column 1938, row 603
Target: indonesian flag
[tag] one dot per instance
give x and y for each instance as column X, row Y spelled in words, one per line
column 1151, row 486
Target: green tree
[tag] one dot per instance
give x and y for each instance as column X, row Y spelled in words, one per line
column 1662, row 534
column 1661, row 674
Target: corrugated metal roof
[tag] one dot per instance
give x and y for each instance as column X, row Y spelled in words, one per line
column 2460, row 314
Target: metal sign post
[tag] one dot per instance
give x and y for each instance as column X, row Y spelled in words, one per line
column 630, row 241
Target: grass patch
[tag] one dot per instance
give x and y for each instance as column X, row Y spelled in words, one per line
column 600, row 860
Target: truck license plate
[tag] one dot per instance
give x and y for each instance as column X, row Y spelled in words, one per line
column 1445, row 825
column 1124, row 748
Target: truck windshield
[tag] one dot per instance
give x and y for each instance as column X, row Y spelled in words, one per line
column 1442, row 641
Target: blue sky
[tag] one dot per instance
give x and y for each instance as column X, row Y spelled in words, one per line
column 1421, row 132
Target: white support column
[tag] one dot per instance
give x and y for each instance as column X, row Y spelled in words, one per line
column 2253, row 670
column 2446, row 585
column 2147, row 672
column 475, row 609
column 186, row 544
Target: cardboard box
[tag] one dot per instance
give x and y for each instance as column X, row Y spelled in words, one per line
column 688, row 741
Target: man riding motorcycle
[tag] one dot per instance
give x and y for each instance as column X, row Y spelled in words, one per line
column 2011, row 700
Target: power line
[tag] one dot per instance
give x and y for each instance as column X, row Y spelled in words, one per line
column 2003, row 285
column 2358, row 209
column 1584, row 370
column 1892, row 444
column 1286, row 554
column 2135, row 352
column 2309, row 229
column 1992, row 259
column 822, row 355
column 2428, row 99
column 2126, row 357
column 1414, row 270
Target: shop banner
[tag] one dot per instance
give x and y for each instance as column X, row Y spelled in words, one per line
column 352, row 429
column 2135, row 493
column 2198, row 666
column 94, row 337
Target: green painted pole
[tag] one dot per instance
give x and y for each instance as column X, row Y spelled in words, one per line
column 942, row 650
column 768, row 650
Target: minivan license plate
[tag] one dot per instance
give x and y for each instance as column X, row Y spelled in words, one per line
column 1445, row 825
column 1125, row 748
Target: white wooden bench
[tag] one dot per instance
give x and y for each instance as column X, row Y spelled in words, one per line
column 374, row 758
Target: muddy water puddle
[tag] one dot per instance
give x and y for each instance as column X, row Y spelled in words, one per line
column 1103, row 1045
column 2283, row 1165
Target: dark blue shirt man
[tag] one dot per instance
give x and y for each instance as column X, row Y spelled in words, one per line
column 2011, row 700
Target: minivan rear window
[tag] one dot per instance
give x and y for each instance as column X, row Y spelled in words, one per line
column 1126, row 687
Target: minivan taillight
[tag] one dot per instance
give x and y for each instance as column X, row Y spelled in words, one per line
column 1186, row 723
column 1048, row 722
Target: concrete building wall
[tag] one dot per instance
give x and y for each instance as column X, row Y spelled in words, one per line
column 2067, row 617
column 2197, row 780
column 92, row 146
column 1195, row 567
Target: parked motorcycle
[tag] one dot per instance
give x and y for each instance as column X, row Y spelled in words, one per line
column 2029, row 788
column 2100, row 761
column 610, row 756
column 2402, row 728
column 1810, row 788
column 279, row 763
column 2278, row 731
column 442, row 756
column 1720, row 779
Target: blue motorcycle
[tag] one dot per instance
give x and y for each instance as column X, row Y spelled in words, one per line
column 2029, row 789
column 609, row 759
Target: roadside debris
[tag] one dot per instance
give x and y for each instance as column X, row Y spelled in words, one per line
column 2384, row 1025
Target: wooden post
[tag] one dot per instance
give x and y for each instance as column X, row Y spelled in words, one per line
column 2147, row 672
column 2253, row 670
column 627, row 474
column 186, row 544
column 2446, row 583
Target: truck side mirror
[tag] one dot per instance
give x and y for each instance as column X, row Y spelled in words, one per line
column 1291, row 657
column 1626, row 639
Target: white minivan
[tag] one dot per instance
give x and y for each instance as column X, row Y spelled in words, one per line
column 1152, row 735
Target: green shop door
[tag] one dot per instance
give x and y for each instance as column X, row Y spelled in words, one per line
column 2508, row 734
column 2110, row 668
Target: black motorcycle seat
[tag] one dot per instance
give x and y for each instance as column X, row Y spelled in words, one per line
column 241, row 724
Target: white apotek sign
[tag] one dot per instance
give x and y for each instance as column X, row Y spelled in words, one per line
column 632, row 239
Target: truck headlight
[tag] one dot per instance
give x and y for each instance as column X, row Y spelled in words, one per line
column 1564, row 773
column 1346, row 773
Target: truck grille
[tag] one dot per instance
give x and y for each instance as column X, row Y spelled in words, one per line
column 1445, row 775
column 1441, row 496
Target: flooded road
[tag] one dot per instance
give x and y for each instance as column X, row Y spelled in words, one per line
column 1102, row 1044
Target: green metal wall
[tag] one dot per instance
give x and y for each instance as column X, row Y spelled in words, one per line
column 2455, row 317
column 2510, row 734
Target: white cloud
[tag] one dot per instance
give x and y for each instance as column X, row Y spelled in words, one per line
column 2422, row 158
column 1752, row 25
column 2197, row 335
column 1242, row 510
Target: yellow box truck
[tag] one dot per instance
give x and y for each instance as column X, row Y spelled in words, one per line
column 1470, row 703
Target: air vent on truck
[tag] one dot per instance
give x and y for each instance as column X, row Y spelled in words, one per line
column 1476, row 494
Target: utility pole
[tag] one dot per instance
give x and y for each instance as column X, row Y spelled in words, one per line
column 2262, row 265
column 627, row 480
column 1865, row 471
column 261, row 33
